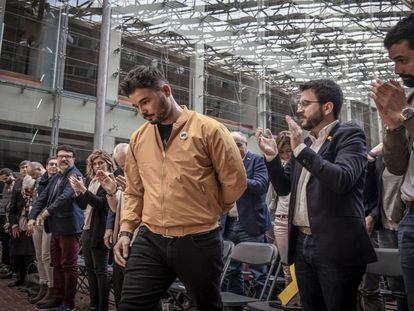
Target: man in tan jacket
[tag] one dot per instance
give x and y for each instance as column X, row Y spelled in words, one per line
column 183, row 170
column 396, row 110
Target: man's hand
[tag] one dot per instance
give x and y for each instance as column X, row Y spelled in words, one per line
column 15, row 232
column 389, row 97
column 108, row 238
column 30, row 227
column 44, row 215
column 377, row 150
column 121, row 182
column 77, row 184
column 107, row 181
column 121, row 250
column 369, row 223
column 267, row 143
column 6, row 227
column 296, row 133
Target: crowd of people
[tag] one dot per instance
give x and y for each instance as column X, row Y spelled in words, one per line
column 162, row 204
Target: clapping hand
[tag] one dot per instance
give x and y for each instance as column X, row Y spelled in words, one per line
column 107, row 181
column 77, row 184
column 296, row 133
column 389, row 97
column 121, row 182
column 267, row 143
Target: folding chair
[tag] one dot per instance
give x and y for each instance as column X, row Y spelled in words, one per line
column 388, row 265
column 252, row 254
column 177, row 290
column 82, row 285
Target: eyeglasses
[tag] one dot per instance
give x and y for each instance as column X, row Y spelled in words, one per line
column 306, row 103
column 65, row 156
column 52, row 163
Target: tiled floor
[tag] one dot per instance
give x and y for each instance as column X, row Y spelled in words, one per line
column 13, row 300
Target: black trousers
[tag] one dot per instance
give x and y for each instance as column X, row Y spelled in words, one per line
column 155, row 262
column 96, row 261
column 5, row 238
column 117, row 280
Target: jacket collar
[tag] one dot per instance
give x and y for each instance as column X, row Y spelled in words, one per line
column 66, row 174
column 329, row 138
column 247, row 157
column 185, row 115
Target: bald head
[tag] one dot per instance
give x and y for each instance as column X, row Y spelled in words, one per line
column 35, row 169
column 119, row 154
column 241, row 142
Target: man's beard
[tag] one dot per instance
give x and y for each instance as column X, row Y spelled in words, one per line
column 163, row 114
column 408, row 80
column 314, row 120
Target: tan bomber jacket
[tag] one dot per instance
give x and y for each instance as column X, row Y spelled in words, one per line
column 186, row 187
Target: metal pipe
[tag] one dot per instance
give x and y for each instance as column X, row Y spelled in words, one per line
column 57, row 48
column 60, row 74
column 102, row 75
column 2, row 11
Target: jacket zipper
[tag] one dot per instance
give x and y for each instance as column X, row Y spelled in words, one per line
column 162, row 185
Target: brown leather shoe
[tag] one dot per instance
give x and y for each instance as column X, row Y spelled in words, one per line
column 40, row 295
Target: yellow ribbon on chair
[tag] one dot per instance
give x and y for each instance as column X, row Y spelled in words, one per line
column 291, row 290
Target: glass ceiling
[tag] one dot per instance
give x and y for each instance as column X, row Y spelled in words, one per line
column 285, row 42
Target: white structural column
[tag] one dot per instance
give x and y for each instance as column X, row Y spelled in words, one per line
column 112, row 125
column 197, row 79
column 102, row 75
column 114, row 60
column 348, row 110
column 262, row 104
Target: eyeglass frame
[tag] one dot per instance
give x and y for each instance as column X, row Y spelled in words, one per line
column 65, row 156
column 308, row 103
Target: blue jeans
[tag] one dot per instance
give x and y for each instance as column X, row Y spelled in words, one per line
column 406, row 246
column 235, row 233
column 323, row 287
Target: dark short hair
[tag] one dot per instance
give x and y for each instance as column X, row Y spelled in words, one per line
column 403, row 30
column 66, row 148
column 50, row 158
column 142, row 77
column 326, row 91
column 6, row 171
column 23, row 163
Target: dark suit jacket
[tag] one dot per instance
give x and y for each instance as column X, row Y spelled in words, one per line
column 100, row 208
column 373, row 192
column 251, row 206
column 334, row 196
column 17, row 203
column 66, row 217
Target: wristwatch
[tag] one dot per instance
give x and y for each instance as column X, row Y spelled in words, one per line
column 407, row 113
column 112, row 194
column 125, row 233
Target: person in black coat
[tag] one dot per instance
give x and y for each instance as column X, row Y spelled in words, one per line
column 22, row 248
column 328, row 241
column 92, row 198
